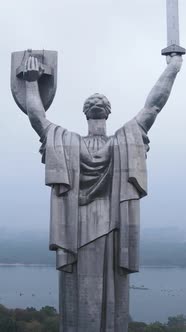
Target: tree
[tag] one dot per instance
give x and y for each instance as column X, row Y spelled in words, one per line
column 7, row 322
column 51, row 324
column 49, row 311
column 155, row 327
column 33, row 326
column 177, row 321
column 136, row 327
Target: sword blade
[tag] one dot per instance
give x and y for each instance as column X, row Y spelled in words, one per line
column 173, row 38
column 172, row 23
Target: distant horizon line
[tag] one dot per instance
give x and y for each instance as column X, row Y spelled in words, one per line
column 41, row 229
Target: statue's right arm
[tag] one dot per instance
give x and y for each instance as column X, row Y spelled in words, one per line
column 159, row 94
column 35, row 109
column 34, row 105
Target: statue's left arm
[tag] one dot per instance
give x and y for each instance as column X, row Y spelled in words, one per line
column 159, row 94
column 34, row 105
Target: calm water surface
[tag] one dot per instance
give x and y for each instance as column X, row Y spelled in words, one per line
column 166, row 295
column 28, row 286
column 36, row 286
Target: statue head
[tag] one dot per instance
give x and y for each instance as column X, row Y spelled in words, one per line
column 96, row 107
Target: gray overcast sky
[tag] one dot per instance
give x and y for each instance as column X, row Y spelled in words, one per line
column 112, row 47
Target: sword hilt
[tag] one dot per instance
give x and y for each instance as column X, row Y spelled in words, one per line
column 173, row 49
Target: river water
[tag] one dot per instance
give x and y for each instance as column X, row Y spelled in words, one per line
column 164, row 294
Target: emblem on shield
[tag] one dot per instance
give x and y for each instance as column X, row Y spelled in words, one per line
column 47, row 82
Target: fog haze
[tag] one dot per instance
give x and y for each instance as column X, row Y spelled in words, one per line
column 111, row 47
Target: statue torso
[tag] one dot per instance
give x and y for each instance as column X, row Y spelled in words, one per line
column 95, row 187
column 95, row 167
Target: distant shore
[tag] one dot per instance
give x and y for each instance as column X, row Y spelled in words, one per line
column 27, row 264
column 52, row 265
column 163, row 266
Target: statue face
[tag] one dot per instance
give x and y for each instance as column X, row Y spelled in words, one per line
column 97, row 106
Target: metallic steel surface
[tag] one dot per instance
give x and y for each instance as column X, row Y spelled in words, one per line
column 173, row 38
column 47, row 83
column 172, row 23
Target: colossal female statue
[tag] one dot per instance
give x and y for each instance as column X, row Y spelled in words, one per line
column 96, row 185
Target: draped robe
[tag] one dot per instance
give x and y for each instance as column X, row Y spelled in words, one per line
column 96, row 184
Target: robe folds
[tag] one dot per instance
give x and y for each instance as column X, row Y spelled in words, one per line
column 116, row 175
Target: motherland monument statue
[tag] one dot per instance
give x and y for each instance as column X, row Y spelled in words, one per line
column 96, row 183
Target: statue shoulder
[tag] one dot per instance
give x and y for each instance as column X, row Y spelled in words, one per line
column 130, row 125
column 57, row 129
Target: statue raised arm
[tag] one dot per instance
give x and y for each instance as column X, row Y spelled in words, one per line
column 34, row 106
column 160, row 93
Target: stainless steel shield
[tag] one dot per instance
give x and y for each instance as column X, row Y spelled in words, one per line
column 47, row 82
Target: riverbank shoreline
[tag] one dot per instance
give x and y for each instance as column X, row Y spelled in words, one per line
column 26, row 265
column 52, row 265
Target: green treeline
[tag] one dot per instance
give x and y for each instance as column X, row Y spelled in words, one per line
column 47, row 320
column 174, row 324
column 29, row 320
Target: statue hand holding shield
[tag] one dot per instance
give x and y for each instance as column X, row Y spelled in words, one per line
column 33, row 84
column 33, row 69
